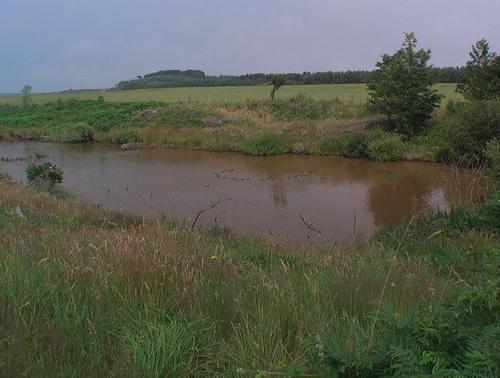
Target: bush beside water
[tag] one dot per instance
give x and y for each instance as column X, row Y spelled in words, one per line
column 73, row 133
column 119, row 136
column 467, row 130
column 267, row 143
column 368, row 144
column 47, row 172
column 389, row 147
column 492, row 153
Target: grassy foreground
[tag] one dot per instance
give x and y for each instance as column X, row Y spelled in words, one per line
column 356, row 93
column 84, row 292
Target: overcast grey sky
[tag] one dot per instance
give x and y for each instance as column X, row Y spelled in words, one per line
column 62, row 44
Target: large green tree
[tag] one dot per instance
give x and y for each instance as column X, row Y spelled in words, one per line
column 402, row 88
column 481, row 76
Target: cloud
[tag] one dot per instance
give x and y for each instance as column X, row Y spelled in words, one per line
column 60, row 44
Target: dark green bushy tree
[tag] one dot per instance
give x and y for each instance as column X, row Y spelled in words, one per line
column 480, row 78
column 401, row 88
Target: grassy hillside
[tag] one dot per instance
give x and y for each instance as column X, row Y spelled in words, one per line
column 356, row 93
column 85, row 292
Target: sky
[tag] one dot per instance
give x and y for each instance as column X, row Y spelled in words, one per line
column 73, row 44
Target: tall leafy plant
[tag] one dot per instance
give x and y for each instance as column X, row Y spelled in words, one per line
column 401, row 88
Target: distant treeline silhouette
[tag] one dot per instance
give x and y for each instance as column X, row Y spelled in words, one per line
column 197, row 78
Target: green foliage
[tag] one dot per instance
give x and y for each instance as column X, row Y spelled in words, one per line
column 184, row 115
column 389, row 147
column 120, row 136
column 456, row 338
column 493, row 156
column 267, row 143
column 300, row 107
column 467, row 131
column 492, row 210
column 97, row 114
column 167, row 347
column 401, row 88
column 354, row 144
column 73, row 133
column 46, row 173
column 481, row 76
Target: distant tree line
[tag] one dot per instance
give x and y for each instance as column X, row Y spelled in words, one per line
column 197, row 78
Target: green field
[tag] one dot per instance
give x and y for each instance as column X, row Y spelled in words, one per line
column 356, row 93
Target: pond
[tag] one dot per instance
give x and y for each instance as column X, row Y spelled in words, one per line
column 291, row 199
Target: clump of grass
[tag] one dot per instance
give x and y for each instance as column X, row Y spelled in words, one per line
column 185, row 115
column 301, row 107
column 73, row 133
column 119, row 136
column 267, row 143
column 168, row 347
column 353, row 144
column 389, row 147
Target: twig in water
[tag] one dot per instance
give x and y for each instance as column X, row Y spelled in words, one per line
column 308, row 224
column 211, row 206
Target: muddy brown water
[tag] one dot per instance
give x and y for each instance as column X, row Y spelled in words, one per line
column 289, row 199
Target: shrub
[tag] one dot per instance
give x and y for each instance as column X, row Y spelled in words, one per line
column 121, row 136
column 465, row 217
column 266, row 144
column 354, row 144
column 492, row 210
column 493, row 155
column 74, row 133
column 467, row 131
column 46, row 174
column 389, row 147
column 300, row 107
